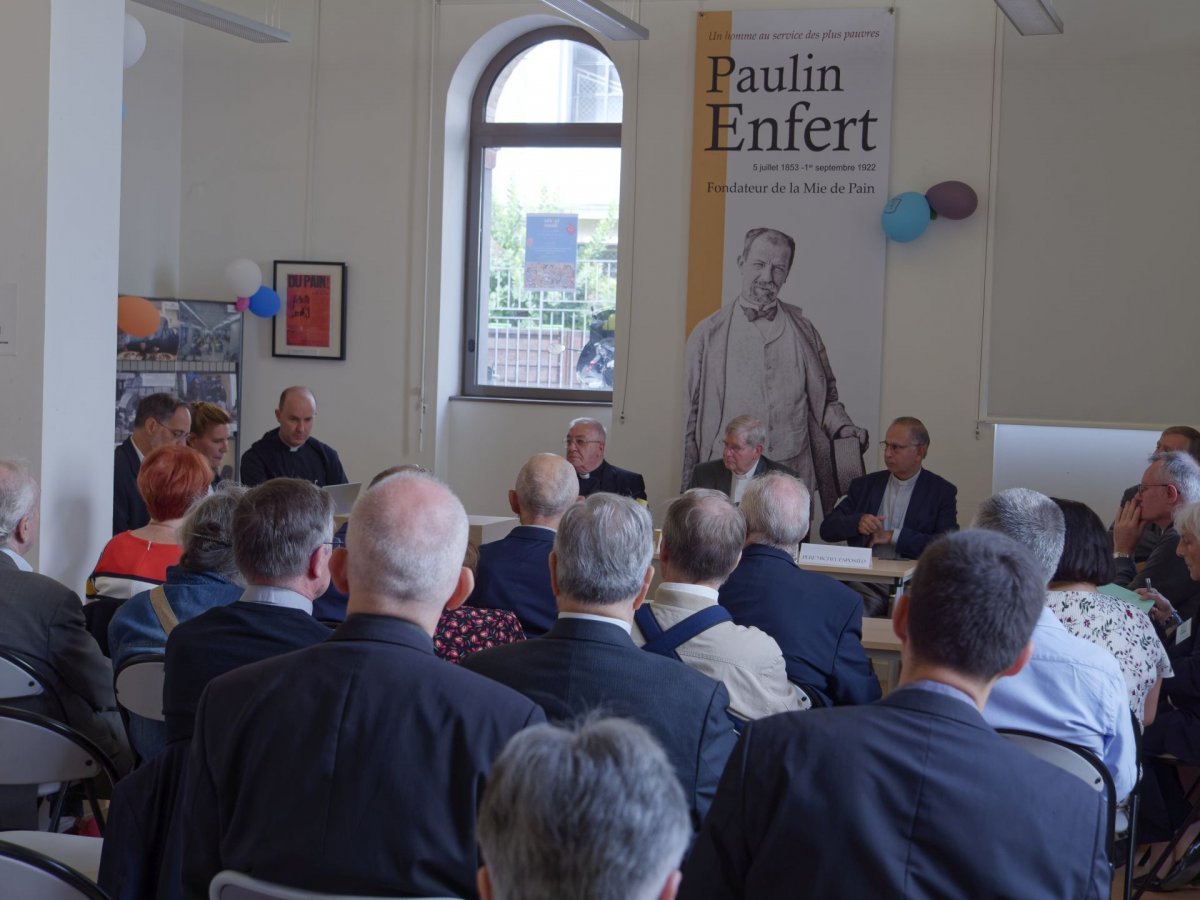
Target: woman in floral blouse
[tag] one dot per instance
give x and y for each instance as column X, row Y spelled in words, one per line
column 468, row 629
column 1123, row 630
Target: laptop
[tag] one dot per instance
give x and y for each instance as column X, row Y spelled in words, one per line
column 343, row 496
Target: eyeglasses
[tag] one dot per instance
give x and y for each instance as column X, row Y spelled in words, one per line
column 177, row 434
column 895, row 448
column 1142, row 488
column 578, row 442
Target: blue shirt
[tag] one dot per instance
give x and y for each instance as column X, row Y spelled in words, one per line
column 1074, row 691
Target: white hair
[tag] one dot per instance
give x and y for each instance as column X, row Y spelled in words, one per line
column 18, row 494
column 407, row 539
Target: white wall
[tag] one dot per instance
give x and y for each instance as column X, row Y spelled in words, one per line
column 339, row 146
column 60, row 88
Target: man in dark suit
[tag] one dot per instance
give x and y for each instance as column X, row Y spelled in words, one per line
column 898, row 798
column 161, row 419
column 282, row 533
column 356, row 766
column 514, row 572
column 41, row 621
column 600, row 570
column 900, row 509
column 585, row 442
column 745, row 437
column 816, row 621
column 290, row 451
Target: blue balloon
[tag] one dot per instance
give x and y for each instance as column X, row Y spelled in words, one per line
column 264, row 302
column 906, row 216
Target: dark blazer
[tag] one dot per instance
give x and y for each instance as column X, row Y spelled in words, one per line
column 354, row 766
column 581, row 665
column 914, row 796
column 129, row 509
column 514, row 574
column 714, row 475
column 932, row 511
column 220, row 640
column 816, row 621
column 609, row 479
column 42, row 622
column 269, row 457
column 1167, row 572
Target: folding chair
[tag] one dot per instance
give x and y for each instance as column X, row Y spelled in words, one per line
column 28, row 873
column 18, row 678
column 139, row 685
column 230, row 885
column 1077, row 761
column 38, row 750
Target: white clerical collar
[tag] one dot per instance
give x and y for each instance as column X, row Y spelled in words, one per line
column 698, row 590
column 21, row 562
column 276, row 596
column 903, row 482
column 608, row 620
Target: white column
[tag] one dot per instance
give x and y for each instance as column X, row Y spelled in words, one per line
column 60, row 172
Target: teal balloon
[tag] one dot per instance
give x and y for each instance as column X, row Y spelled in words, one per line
column 264, row 302
column 906, row 216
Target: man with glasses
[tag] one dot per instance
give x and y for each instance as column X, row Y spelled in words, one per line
column 742, row 460
column 585, row 451
column 161, row 419
column 1172, row 480
column 1176, row 437
column 900, row 509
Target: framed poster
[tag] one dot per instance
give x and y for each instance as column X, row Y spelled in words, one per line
column 312, row 314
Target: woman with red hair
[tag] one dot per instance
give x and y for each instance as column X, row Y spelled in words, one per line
column 170, row 480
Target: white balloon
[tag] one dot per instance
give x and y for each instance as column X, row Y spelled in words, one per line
column 135, row 40
column 244, row 277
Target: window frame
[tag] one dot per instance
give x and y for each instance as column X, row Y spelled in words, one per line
column 485, row 135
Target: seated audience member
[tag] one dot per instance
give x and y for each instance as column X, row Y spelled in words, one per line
column 290, row 451
column 206, row 576
column 210, row 435
column 1171, row 481
column 591, row 811
column 902, row 508
column 585, row 443
column 468, row 629
column 160, row 421
column 42, row 622
column 1123, row 630
column 742, row 460
column 816, row 621
column 702, row 540
column 281, row 545
column 1176, row 729
column 513, row 571
column 898, row 798
column 355, row 766
column 1070, row 689
column 170, row 481
column 600, row 570
column 1177, row 437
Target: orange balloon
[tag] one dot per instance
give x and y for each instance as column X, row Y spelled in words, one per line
column 137, row 316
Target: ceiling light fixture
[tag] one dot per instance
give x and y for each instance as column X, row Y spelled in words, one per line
column 602, row 18
column 220, row 19
column 1032, row 16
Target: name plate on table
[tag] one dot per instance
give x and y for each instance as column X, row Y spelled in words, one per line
column 827, row 555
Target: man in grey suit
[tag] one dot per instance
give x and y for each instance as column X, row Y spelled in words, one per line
column 600, row 571
column 41, row 621
column 741, row 461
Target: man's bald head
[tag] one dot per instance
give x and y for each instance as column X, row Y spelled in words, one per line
column 405, row 545
column 546, row 488
column 297, row 410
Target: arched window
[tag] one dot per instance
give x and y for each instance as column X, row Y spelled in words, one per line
column 545, row 167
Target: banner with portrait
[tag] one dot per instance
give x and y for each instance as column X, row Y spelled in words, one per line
column 790, row 158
